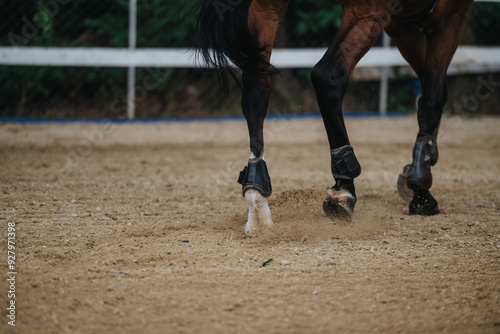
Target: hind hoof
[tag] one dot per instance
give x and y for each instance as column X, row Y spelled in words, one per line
column 259, row 214
column 423, row 203
column 404, row 191
column 339, row 205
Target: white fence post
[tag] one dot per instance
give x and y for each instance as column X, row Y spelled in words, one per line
column 132, row 41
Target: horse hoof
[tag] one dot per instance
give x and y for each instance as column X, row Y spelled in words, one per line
column 404, row 191
column 337, row 211
column 423, row 203
column 259, row 214
column 339, row 205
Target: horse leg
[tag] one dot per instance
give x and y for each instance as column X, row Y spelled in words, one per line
column 440, row 42
column 263, row 21
column 412, row 43
column 255, row 180
column 330, row 77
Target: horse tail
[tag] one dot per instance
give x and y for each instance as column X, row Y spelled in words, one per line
column 223, row 37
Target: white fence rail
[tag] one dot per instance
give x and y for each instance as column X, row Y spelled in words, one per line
column 466, row 60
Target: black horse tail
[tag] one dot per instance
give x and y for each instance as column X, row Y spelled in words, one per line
column 223, row 37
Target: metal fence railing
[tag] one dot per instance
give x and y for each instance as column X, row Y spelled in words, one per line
column 88, row 58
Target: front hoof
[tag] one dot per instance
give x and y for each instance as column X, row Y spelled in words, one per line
column 423, row 203
column 339, row 205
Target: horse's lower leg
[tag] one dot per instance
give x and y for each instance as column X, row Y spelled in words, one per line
column 425, row 152
column 330, row 78
column 264, row 18
column 255, row 178
column 442, row 41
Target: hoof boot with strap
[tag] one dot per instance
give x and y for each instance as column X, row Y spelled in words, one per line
column 255, row 176
column 344, row 163
column 425, row 155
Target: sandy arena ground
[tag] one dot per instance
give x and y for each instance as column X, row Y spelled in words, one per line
column 138, row 228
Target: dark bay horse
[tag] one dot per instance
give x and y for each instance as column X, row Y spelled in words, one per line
column 427, row 33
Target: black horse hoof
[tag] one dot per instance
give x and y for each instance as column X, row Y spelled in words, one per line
column 339, row 205
column 423, row 203
column 337, row 212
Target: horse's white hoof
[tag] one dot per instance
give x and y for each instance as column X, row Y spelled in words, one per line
column 259, row 214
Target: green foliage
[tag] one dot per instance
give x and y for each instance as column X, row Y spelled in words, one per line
column 80, row 23
column 488, row 22
column 163, row 23
column 312, row 23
